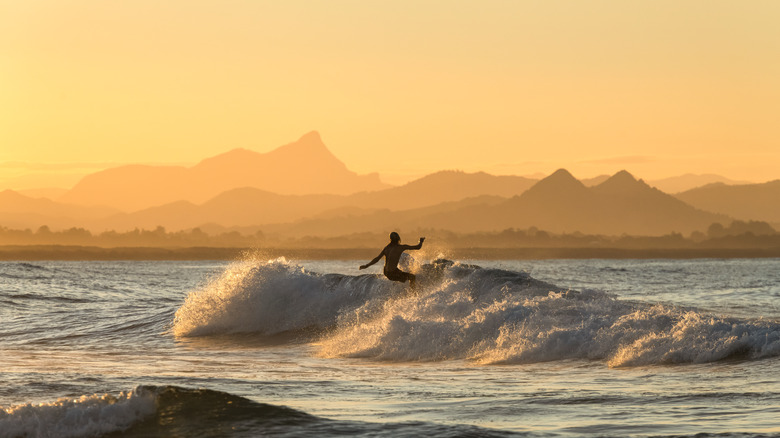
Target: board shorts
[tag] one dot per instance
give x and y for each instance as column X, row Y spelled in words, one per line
column 398, row 275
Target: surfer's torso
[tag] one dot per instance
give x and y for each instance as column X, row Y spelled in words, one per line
column 392, row 254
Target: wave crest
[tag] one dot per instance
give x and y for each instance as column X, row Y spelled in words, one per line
column 88, row 415
column 464, row 312
column 272, row 297
column 151, row 411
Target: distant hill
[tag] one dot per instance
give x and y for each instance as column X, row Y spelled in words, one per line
column 20, row 211
column 677, row 184
column 238, row 207
column 350, row 221
column 52, row 193
column 303, row 167
column 444, row 186
column 249, row 206
column 745, row 202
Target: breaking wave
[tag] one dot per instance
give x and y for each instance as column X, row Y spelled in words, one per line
column 88, row 415
column 151, row 411
column 463, row 311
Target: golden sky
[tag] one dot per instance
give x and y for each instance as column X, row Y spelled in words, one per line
column 657, row 87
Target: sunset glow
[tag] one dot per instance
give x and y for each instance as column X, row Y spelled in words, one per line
column 406, row 218
column 401, row 88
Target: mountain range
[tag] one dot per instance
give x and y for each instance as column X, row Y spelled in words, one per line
column 677, row 184
column 744, row 201
column 302, row 167
column 19, row 211
column 302, row 189
column 559, row 203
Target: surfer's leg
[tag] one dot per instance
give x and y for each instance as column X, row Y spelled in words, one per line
column 396, row 275
column 402, row 277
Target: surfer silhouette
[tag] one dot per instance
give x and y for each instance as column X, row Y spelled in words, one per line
column 392, row 254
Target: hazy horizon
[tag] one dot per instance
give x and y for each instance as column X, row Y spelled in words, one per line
column 23, row 176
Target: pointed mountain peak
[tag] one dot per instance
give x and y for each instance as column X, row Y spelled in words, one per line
column 310, row 145
column 561, row 173
column 623, row 177
column 561, row 176
column 312, row 137
column 621, row 182
column 561, row 181
column 311, row 157
column 309, row 142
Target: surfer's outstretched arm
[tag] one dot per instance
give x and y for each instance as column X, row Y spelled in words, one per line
column 418, row 246
column 376, row 259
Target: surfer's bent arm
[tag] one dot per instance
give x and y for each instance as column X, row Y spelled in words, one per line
column 418, row 246
column 376, row 259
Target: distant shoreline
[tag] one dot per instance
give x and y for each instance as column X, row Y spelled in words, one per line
column 92, row 253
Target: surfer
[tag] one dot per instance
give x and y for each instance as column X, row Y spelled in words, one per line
column 392, row 254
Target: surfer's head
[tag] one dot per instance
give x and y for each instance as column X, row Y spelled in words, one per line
column 394, row 237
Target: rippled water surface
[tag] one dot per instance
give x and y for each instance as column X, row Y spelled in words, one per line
column 484, row 348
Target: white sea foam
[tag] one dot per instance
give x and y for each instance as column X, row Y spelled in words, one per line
column 691, row 337
column 274, row 297
column 88, row 415
column 465, row 312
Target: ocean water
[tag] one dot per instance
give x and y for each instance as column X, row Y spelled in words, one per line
column 560, row 348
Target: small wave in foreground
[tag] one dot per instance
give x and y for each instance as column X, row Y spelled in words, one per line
column 150, row 411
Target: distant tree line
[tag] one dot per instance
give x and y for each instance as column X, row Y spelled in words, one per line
column 158, row 237
column 738, row 234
